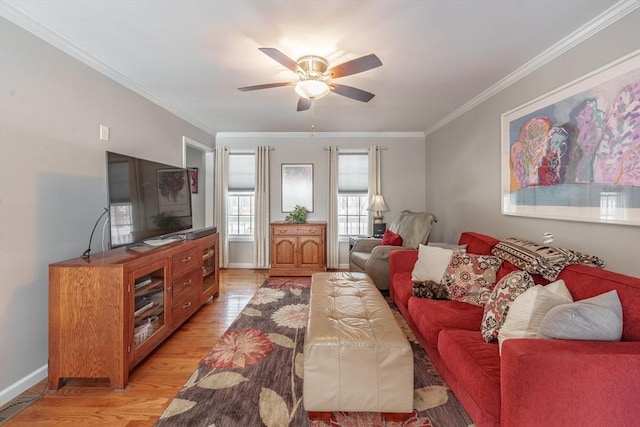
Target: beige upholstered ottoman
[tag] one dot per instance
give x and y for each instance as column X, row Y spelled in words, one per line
column 356, row 356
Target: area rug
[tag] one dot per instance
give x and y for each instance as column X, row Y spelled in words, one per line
column 253, row 375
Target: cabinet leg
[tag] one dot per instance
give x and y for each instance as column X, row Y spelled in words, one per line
column 54, row 383
column 118, row 382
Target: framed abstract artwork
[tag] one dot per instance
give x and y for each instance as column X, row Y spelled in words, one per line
column 574, row 153
column 297, row 186
column 193, row 180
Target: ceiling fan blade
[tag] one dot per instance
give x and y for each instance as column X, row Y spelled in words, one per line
column 352, row 92
column 264, row 86
column 354, row 66
column 280, row 57
column 304, row 104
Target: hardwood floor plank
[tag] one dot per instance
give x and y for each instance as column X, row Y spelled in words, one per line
column 154, row 383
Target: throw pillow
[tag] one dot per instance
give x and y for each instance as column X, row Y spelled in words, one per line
column 594, row 319
column 458, row 248
column 470, row 278
column 528, row 310
column 431, row 264
column 496, row 309
column 391, row 238
column 430, row 289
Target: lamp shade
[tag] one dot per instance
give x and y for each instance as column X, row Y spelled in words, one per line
column 377, row 204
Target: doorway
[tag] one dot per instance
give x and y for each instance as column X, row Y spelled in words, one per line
column 200, row 156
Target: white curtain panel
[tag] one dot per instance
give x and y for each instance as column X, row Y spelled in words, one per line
column 261, row 232
column 221, row 191
column 333, row 258
column 374, row 177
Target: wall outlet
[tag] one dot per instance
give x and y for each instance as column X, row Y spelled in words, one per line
column 104, row 133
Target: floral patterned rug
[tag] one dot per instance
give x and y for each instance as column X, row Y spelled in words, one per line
column 253, row 374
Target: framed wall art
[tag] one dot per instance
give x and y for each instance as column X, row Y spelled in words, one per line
column 297, row 186
column 193, row 180
column 574, row 153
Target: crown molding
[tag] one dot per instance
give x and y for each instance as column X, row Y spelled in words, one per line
column 19, row 18
column 592, row 27
column 311, row 135
column 605, row 19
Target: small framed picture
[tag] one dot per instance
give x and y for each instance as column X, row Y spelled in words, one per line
column 193, row 180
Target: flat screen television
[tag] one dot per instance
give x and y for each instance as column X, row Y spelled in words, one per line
column 147, row 200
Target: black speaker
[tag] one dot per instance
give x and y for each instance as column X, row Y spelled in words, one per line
column 379, row 229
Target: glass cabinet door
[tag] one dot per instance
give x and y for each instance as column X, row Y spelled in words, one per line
column 149, row 313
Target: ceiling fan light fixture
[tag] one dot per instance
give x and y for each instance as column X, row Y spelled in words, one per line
column 312, row 89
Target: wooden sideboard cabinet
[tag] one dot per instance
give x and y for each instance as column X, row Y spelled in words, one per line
column 298, row 249
column 109, row 311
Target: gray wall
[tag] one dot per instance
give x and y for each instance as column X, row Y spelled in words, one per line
column 52, row 179
column 403, row 173
column 463, row 161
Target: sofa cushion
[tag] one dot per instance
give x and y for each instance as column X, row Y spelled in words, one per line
column 401, row 288
column 431, row 316
column 477, row 243
column 470, row 278
column 593, row 319
column 391, row 238
column 496, row 309
column 475, row 364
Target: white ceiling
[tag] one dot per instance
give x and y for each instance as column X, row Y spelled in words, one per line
column 439, row 57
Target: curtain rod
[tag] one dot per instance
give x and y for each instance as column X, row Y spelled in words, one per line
column 246, row 150
column 346, row 150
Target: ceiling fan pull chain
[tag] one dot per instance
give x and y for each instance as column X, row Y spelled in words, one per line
column 313, row 119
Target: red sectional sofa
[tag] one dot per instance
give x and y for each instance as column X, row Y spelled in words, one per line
column 534, row 382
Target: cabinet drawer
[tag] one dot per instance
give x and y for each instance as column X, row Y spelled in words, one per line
column 184, row 261
column 186, row 283
column 184, row 307
column 297, row 230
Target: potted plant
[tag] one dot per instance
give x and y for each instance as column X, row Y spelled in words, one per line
column 298, row 215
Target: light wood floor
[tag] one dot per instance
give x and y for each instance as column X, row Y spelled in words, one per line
column 156, row 380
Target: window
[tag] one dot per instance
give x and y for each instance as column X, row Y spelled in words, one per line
column 121, row 223
column 241, row 197
column 353, row 178
column 240, row 218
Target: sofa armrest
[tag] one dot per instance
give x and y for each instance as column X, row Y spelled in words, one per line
column 560, row 383
column 402, row 261
column 365, row 244
column 377, row 266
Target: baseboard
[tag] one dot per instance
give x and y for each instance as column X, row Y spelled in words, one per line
column 251, row 267
column 241, row 265
column 22, row 385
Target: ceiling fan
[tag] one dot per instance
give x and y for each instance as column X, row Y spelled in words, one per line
column 316, row 77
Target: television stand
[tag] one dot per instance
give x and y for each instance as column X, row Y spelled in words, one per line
column 108, row 312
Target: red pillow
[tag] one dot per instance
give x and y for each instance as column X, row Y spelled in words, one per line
column 391, row 238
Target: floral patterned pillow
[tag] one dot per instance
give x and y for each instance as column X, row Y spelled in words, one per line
column 470, row 278
column 496, row 309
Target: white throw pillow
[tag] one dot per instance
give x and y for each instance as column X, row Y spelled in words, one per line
column 431, row 264
column 530, row 307
column 457, row 248
column 593, row 319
